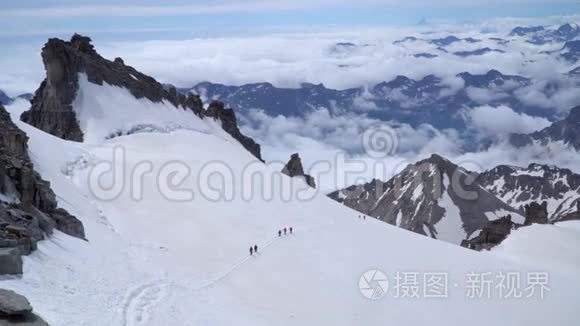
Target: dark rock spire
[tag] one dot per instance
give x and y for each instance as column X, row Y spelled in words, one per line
column 294, row 168
column 52, row 109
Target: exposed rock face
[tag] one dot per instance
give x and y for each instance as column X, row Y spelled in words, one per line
column 571, row 216
column 536, row 183
column 294, row 168
column 217, row 110
column 433, row 197
column 491, row 235
column 536, row 213
column 52, row 106
column 16, row 310
column 10, row 260
column 28, row 207
column 567, row 131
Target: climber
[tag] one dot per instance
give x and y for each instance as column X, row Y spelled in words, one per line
column 251, row 251
column 291, row 230
column 256, row 248
column 284, row 231
column 279, row 233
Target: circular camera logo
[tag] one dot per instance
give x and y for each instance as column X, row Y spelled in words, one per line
column 373, row 284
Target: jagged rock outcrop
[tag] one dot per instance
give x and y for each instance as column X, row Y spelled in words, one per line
column 566, row 131
column 15, row 309
column 28, row 207
column 519, row 186
column 491, row 235
column 433, row 197
column 294, row 168
column 52, row 105
column 536, row 213
column 498, row 230
column 217, row 110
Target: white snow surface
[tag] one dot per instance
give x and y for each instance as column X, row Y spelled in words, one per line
column 103, row 111
column 450, row 227
column 161, row 262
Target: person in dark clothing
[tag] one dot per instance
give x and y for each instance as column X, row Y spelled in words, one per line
column 279, row 233
column 251, row 251
column 290, row 230
column 256, row 248
column 284, row 231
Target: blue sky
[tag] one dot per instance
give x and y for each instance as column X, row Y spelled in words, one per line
column 179, row 19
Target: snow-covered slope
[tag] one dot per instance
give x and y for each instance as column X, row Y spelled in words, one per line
column 156, row 257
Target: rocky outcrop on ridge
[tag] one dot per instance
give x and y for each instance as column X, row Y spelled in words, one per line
column 28, row 207
column 494, row 233
column 52, row 105
column 294, row 168
column 218, row 111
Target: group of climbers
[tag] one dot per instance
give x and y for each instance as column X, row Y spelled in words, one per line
column 254, row 248
column 285, row 230
column 364, row 217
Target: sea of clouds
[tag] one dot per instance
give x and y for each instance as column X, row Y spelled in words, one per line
column 291, row 58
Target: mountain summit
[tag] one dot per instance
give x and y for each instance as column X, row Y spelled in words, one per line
column 433, row 197
column 71, row 65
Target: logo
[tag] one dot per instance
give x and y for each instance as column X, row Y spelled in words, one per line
column 373, row 284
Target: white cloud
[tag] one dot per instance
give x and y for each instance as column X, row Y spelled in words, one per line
column 496, row 122
column 289, row 59
column 556, row 92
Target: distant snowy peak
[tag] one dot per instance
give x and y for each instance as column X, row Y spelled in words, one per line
column 477, row 52
column 541, row 35
column 518, row 187
column 87, row 97
column 4, row 99
column 566, row 131
column 441, row 42
column 7, row 100
column 433, row 197
column 492, row 78
column 571, row 51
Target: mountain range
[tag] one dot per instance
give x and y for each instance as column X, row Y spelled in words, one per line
column 439, row 199
column 427, row 100
column 433, row 197
column 541, row 35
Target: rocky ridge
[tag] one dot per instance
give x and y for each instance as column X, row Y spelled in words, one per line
column 28, row 207
column 52, row 105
